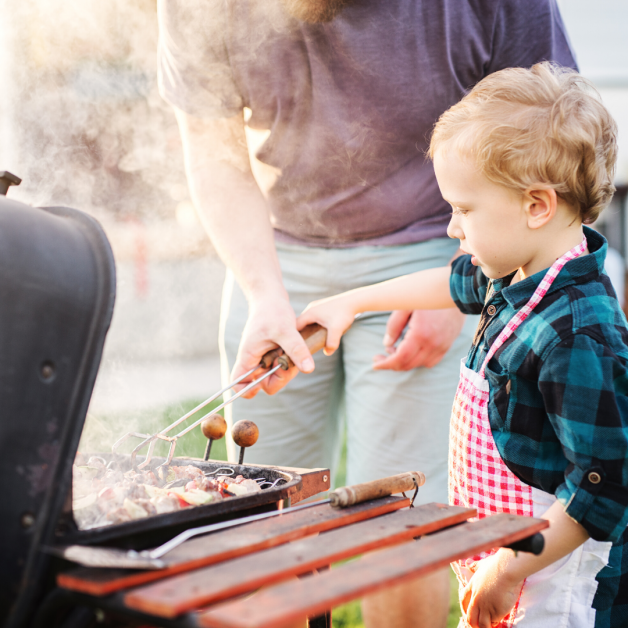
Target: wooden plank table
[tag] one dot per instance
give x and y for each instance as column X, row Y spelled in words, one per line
column 282, row 604
column 206, row 577
column 174, row 596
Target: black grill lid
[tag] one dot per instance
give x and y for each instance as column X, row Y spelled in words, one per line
column 57, row 290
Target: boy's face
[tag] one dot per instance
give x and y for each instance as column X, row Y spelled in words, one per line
column 489, row 219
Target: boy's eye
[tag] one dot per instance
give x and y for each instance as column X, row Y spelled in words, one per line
column 458, row 211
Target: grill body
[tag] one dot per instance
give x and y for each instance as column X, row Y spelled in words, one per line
column 57, row 293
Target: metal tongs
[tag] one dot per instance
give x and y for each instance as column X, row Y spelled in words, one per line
column 315, row 337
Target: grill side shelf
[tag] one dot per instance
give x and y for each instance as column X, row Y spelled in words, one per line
column 186, row 592
column 278, row 605
column 228, row 544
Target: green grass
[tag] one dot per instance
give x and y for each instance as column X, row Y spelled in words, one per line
column 101, row 432
column 454, row 606
column 347, row 616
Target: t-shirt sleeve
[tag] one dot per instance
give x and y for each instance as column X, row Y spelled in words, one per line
column 585, row 387
column 467, row 285
column 193, row 67
column 529, row 32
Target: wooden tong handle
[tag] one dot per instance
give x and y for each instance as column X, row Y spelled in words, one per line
column 350, row 495
column 315, row 337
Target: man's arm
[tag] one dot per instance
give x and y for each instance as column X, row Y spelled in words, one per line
column 235, row 215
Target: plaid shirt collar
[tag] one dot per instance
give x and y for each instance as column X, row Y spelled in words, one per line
column 575, row 271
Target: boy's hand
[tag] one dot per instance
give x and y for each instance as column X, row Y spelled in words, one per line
column 496, row 584
column 490, row 595
column 429, row 335
column 335, row 314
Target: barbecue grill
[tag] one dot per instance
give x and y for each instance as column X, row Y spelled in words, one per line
column 57, row 286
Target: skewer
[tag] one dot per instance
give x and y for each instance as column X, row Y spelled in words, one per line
column 244, row 434
column 213, row 429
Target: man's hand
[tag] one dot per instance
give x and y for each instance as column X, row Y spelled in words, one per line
column 490, row 595
column 270, row 324
column 429, row 336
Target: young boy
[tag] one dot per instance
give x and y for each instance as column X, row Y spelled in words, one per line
column 540, row 419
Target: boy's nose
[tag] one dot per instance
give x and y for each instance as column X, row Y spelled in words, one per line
column 453, row 229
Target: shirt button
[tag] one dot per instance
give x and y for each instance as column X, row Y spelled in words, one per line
column 491, row 309
column 594, row 477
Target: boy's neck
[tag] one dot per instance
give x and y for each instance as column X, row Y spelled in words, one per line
column 552, row 245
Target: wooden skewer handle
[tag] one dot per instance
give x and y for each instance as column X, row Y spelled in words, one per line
column 315, row 337
column 350, row 495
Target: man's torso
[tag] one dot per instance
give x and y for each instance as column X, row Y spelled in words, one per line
column 341, row 112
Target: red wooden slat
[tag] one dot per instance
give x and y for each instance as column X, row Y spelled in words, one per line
column 178, row 594
column 228, row 544
column 279, row 605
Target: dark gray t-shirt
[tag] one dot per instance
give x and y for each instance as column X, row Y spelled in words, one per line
column 341, row 113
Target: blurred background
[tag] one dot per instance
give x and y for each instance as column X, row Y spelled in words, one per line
column 82, row 124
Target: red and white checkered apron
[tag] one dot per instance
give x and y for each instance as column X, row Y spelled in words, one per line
column 478, row 477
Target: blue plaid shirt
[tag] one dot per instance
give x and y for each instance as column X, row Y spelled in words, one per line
column 558, row 402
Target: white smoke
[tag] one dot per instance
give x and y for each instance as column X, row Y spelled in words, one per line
column 83, row 125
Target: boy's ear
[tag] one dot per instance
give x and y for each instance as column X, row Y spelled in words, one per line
column 540, row 206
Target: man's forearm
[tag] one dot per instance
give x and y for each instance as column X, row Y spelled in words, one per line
column 235, row 214
column 230, row 204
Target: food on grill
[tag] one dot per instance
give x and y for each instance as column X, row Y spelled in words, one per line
column 104, row 495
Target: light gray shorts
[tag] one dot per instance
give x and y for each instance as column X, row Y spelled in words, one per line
column 395, row 421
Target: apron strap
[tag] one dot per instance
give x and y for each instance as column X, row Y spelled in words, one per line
column 535, row 299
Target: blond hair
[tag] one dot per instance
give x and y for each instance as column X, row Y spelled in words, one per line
column 545, row 126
